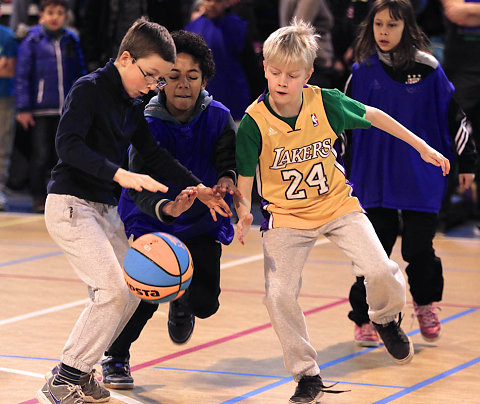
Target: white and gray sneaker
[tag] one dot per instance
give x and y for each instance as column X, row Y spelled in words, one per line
column 61, row 394
column 93, row 391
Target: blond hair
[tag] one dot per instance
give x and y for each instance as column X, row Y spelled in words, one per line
column 297, row 41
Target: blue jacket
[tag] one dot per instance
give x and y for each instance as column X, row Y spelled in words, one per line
column 206, row 146
column 47, row 67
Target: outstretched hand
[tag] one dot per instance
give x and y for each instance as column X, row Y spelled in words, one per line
column 214, row 201
column 430, row 155
column 182, row 202
column 243, row 226
column 226, row 185
column 138, row 182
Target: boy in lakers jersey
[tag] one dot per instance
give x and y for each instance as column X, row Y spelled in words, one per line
column 288, row 138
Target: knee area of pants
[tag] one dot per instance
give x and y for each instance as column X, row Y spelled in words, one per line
column 119, row 296
column 279, row 298
column 205, row 311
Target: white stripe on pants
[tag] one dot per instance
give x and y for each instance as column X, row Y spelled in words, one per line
column 93, row 239
column 286, row 251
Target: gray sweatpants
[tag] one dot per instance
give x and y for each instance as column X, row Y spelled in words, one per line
column 93, row 239
column 286, row 251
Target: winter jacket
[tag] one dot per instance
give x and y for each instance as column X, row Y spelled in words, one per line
column 47, row 67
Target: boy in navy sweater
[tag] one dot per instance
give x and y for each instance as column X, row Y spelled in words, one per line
column 101, row 118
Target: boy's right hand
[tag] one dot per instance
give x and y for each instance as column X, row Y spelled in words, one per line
column 182, row 202
column 25, row 119
column 138, row 182
column 243, row 226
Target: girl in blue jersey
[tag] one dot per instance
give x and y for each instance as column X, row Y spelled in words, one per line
column 395, row 72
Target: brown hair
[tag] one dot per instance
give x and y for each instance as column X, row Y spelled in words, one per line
column 412, row 38
column 145, row 38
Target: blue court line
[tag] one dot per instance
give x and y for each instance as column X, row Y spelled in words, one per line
column 35, row 257
column 271, row 377
column 29, row 357
column 334, row 362
column 424, row 383
column 216, row 372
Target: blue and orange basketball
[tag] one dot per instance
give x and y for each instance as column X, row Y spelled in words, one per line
column 158, row 267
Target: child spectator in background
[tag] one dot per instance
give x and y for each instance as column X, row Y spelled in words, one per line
column 8, row 58
column 395, row 72
column 200, row 133
column 49, row 62
column 230, row 39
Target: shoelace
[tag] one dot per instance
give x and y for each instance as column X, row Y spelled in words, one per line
column 398, row 332
column 427, row 312
column 75, row 389
column 309, row 384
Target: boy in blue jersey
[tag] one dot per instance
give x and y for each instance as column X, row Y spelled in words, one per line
column 289, row 139
column 200, row 133
column 103, row 115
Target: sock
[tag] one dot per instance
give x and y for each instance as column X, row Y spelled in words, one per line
column 67, row 375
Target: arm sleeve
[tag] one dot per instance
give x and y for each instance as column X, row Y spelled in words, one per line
column 225, row 152
column 248, row 146
column 344, row 112
column 72, row 131
column 148, row 202
column 159, row 159
column 462, row 140
column 23, row 73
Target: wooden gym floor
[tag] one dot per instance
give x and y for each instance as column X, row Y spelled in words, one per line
column 235, row 356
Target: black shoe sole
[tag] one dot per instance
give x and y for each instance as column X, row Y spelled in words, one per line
column 119, row 386
column 405, row 360
column 314, row 401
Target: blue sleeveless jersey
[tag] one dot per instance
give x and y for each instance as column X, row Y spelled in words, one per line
column 385, row 171
column 226, row 36
column 193, row 145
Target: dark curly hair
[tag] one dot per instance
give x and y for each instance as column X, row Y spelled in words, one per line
column 412, row 37
column 194, row 45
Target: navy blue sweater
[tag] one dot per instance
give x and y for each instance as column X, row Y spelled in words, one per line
column 98, row 123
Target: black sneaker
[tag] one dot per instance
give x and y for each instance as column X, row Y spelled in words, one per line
column 116, row 373
column 180, row 321
column 397, row 343
column 311, row 388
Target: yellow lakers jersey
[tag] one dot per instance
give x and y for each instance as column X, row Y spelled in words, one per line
column 298, row 173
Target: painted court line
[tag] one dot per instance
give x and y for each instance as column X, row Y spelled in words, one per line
column 331, row 363
column 33, row 258
column 121, row 397
column 272, row 377
column 424, row 383
column 42, row 312
column 224, row 339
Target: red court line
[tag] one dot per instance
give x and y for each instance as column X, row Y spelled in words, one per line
column 40, row 278
column 225, row 339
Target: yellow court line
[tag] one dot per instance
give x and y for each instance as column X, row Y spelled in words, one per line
column 22, row 220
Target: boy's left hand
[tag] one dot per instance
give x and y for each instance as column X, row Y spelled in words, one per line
column 430, row 155
column 214, row 201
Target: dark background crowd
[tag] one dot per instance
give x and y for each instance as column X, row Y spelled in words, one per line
column 100, row 25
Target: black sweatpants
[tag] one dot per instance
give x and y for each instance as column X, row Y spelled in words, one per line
column 424, row 270
column 201, row 296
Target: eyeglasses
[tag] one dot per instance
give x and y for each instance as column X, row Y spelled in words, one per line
column 149, row 79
